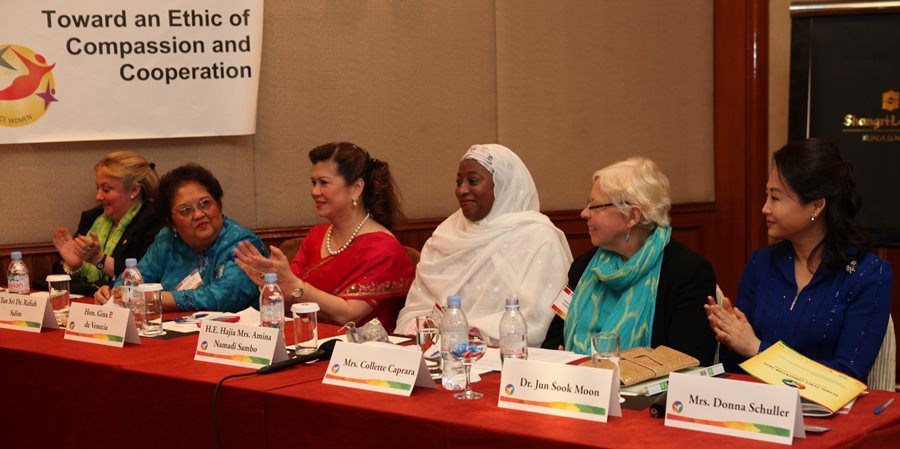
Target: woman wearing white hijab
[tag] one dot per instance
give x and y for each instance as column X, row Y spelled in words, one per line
column 496, row 246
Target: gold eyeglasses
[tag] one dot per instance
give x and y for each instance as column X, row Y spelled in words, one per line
column 187, row 210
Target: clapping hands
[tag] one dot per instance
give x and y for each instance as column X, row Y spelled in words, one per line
column 731, row 327
column 75, row 251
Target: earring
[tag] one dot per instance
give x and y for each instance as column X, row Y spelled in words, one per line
column 354, row 202
column 812, row 218
column 628, row 235
column 132, row 196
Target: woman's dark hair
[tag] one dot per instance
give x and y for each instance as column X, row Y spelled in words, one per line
column 379, row 195
column 814, row 169
column 173, row 180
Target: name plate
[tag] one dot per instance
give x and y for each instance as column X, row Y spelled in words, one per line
column 25, row 313
column 580, row 392
column 239, row 344
column 380, row 367
column 108, row 326
column 736, row 408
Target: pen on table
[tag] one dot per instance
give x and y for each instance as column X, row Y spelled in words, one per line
column 881, row 407
column 190, row 318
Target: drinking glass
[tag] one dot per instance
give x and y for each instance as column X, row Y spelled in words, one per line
column 306, row 327
column 606, row 352
column 468, row 353
column 152, row 308
column 427, row 334
column 58, row 284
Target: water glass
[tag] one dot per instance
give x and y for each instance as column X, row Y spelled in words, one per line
column 152, row 310
column 58, row 284
column 606, row 352
column 306, row 327
column 468, row 353
column 427, row 335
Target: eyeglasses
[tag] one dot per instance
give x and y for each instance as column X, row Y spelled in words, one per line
column 187, row 210
column 598, row 206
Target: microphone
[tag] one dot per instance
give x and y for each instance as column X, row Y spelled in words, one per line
column 323, row 353
column 658, row 407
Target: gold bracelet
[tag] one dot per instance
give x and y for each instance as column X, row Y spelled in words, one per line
column 70, row 271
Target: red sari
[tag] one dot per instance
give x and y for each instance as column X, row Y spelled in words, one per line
column 374, row 268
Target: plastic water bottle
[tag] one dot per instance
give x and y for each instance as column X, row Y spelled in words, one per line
column 513, row 332
column 454, row 330
column 271, row 304
column 131, row 297
column 17, row 280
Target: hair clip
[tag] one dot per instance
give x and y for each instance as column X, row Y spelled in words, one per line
column 851, row 267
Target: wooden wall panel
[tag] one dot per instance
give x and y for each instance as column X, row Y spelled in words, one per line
column 693, row 224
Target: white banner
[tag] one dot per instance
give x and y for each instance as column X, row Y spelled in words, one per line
column 129, row 69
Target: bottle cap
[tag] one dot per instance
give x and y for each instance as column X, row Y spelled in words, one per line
column 130, row 262
column 271, row 277
column 143, row 288
column 454, row 301
column 58, row 278
column 15, row 255
column 305, row 307
column 512, row 302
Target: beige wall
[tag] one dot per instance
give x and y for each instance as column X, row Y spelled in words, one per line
column 569, row 85
column 779, row 72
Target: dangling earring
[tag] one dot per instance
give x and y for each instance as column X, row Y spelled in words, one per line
column 812, row 218
column 354, row 202
column 628, row 235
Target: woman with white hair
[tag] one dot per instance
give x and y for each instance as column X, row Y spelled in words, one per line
column 496, row 246
column 638, row 281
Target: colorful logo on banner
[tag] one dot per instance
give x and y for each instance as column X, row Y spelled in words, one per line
column 677, row 407
column 27, row 87
column 335, row 368
column 510, row 389
column 204, row 345
column 72, row 324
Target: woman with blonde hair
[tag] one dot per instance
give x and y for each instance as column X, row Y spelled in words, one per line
column 638, row 281
column 121, row 227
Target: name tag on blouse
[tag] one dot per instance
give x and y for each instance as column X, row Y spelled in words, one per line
column 562, row 301
column 191, row 282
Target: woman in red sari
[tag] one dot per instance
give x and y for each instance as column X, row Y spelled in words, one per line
column 354, row 268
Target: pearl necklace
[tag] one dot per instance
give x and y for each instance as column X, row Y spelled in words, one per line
column 350, row 240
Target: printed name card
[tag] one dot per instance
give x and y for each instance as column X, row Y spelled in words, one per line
column 25, row 313
column 730, row 407
column 108, row 326
column 571, row 391
column 239, row 344
column 376, row 366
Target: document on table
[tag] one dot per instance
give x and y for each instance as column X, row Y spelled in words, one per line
column 781, row 365
column 491, row 360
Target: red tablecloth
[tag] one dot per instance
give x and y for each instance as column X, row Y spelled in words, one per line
column 71, row 394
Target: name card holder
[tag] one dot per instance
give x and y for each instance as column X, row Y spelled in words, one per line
column 108, row 326
column 239, row 344
column 26, row 313
column 731, row 407
column 571, row 391
column 380, row 367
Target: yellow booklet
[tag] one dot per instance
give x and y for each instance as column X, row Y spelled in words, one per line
column 781, row 365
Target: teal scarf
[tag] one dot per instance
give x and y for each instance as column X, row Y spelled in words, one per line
column 617, row 296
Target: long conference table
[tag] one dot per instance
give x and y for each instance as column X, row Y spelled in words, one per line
column 60, row 393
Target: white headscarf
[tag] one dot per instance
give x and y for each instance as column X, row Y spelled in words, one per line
column 514, row 251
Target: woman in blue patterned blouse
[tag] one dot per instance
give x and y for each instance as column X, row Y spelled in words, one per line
column 193, row 258
column 818, row 288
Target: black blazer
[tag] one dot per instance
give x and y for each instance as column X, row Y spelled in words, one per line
column 134, row 242
column 679, row 321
